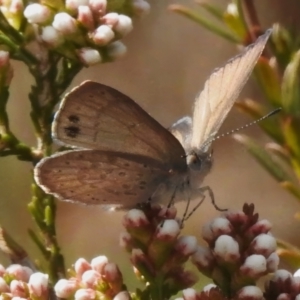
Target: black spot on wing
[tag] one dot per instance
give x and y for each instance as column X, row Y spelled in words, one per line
column 72, row 131
column 73, row 119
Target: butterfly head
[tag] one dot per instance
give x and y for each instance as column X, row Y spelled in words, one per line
column 198, row 161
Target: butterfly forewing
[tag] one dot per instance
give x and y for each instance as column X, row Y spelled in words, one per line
column 220, row 92
column 95, row 116
column 100, row 177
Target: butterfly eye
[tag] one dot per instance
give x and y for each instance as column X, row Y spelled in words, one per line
column 194, row 161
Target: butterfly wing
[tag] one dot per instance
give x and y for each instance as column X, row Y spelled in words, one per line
column 95, row 116
column 97, row 177
column 182, row 130
column 220, row 92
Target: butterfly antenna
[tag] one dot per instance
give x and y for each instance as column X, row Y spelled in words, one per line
column 273, row 112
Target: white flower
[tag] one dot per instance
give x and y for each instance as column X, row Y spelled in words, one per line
column 89, row 56
column 37, row 13
column 124, row 25
column 64, row 23
column 115, row 50
column 103, row 35
column 51, row 36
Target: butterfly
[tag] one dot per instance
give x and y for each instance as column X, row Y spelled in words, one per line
column 124, row 157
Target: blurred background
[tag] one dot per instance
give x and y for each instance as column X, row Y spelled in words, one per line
column 168, row 60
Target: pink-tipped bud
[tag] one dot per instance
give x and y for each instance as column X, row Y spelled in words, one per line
column 38, row 285
column 254, row 266
column 168, row 230
column 125, row 240
column 98, row 6
column 203, row 259
column 89, row 56
column 250, row 292
column 124, row 25
column 85, row 294
column 124, row 295
column 141, row 7
column 81, row 265
column 116, row 50
column 220, row 226
column 85, row 17
column 264, row 244
column 19, row 272
column 186, row 245
column 112, row 272
column 227, row 249
column 135, row 218
column 91, row 278
column 4, row 288
column 98, row 263
column 73, row 5
column 66, row 288
column 51, row 36
column 273, row 262
column 103, row 35
column 64, row 23
column 18, row 288
column 37, row 13
column 110, row 19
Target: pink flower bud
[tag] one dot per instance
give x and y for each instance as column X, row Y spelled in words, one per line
column 123, row 25
column 81, row 265
column 116, row 50
column 189, row 294
column 272, row 262
column 89, row 56
column 227, row 249
column 254, row 266
column 85, row 294
column 37, row 13
column 168, row 230
column 64, row 23
column 264, row 244
column 186, row 245
column 51, row 36
column 208, row 287
column 112, row 272
column 203, row 258
column 103, row 35
column 38, row 285
column 98, row 6
column 16, row 6
column 91, row 278
column 125, row 240
column 220, row 226
column 110, row 19
column 18, row 288
column 98, row 263
column 74, row 4
column 4, row 288
column 250, row 292
column 135, row 218
column 85, row 17
column 66, row 288
column 124, row 295
column 141, row 7
column 19, row 272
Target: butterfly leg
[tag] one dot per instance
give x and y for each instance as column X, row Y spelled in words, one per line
column 202, row 191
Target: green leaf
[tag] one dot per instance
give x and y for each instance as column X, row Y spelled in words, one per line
column 234, row 21
column 291, row 86
column 263, row 157
column 212, row 9
column 268, row 80
column 198, row 18
column 256, row 110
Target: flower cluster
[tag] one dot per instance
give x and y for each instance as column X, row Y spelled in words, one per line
column 19, row 282
column 156, row 249
column 96, row 280
column 240, row 251
column 90, row 30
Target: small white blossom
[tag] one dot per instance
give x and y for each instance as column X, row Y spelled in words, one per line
column 124, row 25
column 51, row 36
column 85, row 294
column 168, row 230
column 103, row 35
column 37, row 13
column 74, row 4
column 227, row 248
column 65, row 288
column 38, row 284
column 64, row 23
column 89, row 56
